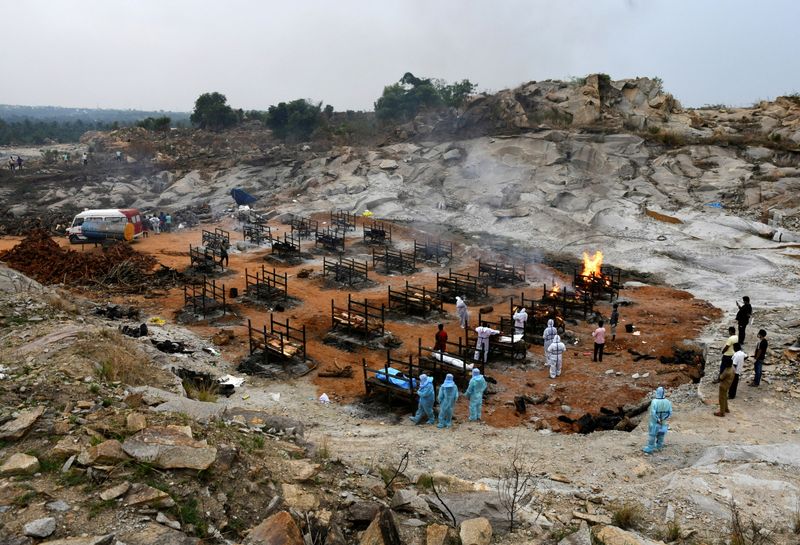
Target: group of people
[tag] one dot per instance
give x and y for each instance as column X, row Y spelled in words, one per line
column 734, row 356
column 15, row 164
column 448, row 395
column 159, row 223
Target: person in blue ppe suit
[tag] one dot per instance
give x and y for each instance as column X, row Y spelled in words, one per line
column 549, row 332
column 425, row 405
column 477, row 385
column 448, row 394
column 660, row 411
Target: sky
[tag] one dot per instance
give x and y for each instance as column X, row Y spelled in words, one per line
column 162, row 54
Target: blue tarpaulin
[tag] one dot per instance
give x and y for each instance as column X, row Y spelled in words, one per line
column 242, row 197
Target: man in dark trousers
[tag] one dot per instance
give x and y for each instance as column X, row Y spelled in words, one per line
column 743, row 317
column 223, row 255
column 760, row 354
column 727, row 352
column 441, row 340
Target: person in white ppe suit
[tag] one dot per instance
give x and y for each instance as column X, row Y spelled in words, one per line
column 555, row 356
column 484, row 332
column 549, row 332
column 462, row 312
column 520, row 318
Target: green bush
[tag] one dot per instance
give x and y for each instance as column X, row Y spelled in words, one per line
column 211, row 111
column 162, row 123
column 296, row 120
column 403, row 100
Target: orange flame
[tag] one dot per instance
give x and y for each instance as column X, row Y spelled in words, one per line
column 555, row 290
column 591, row 265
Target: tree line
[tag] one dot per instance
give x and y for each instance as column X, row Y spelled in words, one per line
column 301, row 119
column 296, row 120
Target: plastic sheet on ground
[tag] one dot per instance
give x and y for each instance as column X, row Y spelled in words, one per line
column 230, row 380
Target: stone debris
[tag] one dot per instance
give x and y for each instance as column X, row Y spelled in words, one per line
column 19, row 464
column 278, row 529
column 40, row 528
column 382, row 530
column 115, row 491
column 169, row 448
column 141, row 494
column 106, row 453
column 15, row 429
column 91, row 540
column 611, row 535
column 476, row 531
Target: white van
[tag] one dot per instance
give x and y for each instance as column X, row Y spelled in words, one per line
column 119, row 223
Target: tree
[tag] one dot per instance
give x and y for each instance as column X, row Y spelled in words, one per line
column 162, row 123
column 211, row 111
column 403, row 100
column 455, row 94
column 297, row 119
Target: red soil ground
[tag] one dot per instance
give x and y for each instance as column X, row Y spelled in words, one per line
column 663, row 315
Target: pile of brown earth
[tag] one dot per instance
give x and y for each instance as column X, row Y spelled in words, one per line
column 40, row 257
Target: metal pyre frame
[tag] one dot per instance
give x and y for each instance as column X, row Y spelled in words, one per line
column 433, row 250
column 458, row 359
column 345, row 270
column 266, row 286
column 415, row 300
column 205, row 259
column 394, row 260
column 461, row 284
column 499, row 275
column 280, row 341
column 377, row 232
column 205, row 298
column 367, row 319
column 330, row 239
column 401, row 387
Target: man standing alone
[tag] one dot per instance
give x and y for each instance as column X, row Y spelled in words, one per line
column 743, row 317
column 599, row 335
column 760, row 354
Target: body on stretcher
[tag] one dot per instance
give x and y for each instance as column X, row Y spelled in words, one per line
column 396, row 378
column 508, row 338
column 450, row 360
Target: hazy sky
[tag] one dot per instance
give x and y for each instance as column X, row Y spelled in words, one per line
column 161, row 54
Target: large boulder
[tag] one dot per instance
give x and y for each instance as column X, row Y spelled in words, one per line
column 40, row 527
column 279, row 529
column 297, row 498
column 611, row 535
column 169, row 448
column 144, row 495
column 106, row 453
column 439, row 534
column 408, row 500
column 476, row 531
column 582, row 537
column 157, row 534
column 382, row 530
column 15, row 429
column 87, row 540
column 20, row 464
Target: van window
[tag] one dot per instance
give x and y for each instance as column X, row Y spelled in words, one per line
column 78, row 222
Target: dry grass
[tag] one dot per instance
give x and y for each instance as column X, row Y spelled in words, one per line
column 118, row 359
column 627, row 516
column 200, row 392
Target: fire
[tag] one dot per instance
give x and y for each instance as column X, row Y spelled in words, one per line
column 555, row 290
column 591, row 265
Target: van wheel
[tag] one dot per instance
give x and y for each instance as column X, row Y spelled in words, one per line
column 73, row 239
